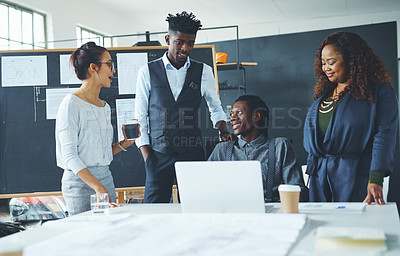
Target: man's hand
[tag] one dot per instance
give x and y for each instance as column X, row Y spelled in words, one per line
column 145, row 150
column 228, row 137
column 224, row 134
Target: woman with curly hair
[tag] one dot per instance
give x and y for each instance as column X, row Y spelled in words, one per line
column 350, row 129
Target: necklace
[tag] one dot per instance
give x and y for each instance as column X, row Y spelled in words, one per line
column 336, row 93
column 98, row 122
column 327, row 105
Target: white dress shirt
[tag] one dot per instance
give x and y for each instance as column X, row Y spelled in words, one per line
column 176, row 79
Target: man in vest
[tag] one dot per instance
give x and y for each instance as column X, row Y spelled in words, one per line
column 168, row 97
column 249, row 120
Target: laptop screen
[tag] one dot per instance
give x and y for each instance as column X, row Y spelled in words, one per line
column 220, row 187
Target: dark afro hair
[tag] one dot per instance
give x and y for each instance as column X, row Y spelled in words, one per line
column 256, row 104
column 183, row 22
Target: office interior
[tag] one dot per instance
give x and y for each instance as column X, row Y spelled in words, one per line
column 278, row 37
column 281, row 36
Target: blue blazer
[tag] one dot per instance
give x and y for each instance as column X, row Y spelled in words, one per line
column 360, row 138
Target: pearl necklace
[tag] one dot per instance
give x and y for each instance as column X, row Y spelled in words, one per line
column 327, row 106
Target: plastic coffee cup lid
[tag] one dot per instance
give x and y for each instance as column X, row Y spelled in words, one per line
column 131, row 122
column 290, row 188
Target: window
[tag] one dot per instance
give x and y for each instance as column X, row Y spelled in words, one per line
column 21, row 28
column 84, row 35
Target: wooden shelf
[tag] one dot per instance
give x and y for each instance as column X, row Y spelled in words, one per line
column 241, row 63
column 234, row 65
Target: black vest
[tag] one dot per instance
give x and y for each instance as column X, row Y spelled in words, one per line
column 174, row 125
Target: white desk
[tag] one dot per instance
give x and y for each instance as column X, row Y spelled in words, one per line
column 383, row 217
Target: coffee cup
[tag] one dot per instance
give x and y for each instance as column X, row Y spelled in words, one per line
column 290, row 196
column 131, row 129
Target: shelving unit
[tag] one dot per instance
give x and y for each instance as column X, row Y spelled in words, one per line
column 239, row 67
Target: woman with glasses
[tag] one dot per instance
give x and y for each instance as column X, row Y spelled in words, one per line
column 84, row 133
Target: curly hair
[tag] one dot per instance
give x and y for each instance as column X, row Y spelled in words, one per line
column 183, row 22
column 363, row 66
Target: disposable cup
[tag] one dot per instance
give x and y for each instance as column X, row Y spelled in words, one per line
column 290, row 196
column 131, row 129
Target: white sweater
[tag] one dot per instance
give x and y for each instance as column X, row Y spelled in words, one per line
column 84, row 134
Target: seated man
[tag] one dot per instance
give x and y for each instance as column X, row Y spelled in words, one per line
column 249, row 120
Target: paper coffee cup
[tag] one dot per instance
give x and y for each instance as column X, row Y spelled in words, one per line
column 290, row 196
column 131, row 129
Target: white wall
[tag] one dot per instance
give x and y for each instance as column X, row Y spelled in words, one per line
column 64, row 15
column 258, row 30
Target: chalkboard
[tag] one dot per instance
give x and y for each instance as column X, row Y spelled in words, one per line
column 284, row 78
column 27, row 160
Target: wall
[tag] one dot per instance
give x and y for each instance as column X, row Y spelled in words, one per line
column 319, row 24
column 108, row 19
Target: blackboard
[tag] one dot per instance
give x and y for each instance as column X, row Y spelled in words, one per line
column 284, row 78
column 27, row 152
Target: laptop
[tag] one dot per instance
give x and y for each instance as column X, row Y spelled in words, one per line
column 220, row 187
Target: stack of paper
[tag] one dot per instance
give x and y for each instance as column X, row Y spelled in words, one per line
column 350, row 238
column 179, row 234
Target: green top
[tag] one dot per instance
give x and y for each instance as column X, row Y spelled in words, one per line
column 325, row 112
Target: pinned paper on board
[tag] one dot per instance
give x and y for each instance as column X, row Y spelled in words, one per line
column 128, row 67
column 125, row 111
column 23, row 70
column 53, row 100
column 67, row 73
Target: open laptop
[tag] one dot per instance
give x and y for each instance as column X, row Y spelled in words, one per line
column 220, row 187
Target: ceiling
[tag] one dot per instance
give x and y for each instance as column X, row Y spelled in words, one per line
column 150, row 15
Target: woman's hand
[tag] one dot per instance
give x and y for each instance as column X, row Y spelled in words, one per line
column 126, row 143
column 116, row 147
column 110, row 203
column 374, row 193
column 113, row 204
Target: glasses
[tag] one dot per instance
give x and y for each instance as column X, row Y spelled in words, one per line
column 111, row 64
